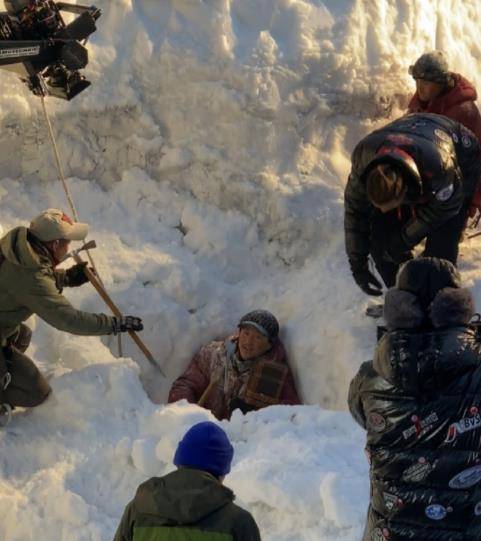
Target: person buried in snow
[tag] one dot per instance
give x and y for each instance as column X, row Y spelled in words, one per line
column 246, row 371
column 411, row 180
column 419, row 400
column 30, row 284
column 190, row 503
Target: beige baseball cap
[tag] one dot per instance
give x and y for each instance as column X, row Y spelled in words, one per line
column 54, row 224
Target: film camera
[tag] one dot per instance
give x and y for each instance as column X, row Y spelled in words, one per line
column 47, row 53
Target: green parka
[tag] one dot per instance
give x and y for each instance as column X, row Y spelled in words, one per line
column 30, row 285
column 185, row 505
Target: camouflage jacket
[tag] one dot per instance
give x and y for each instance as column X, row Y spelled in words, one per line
column 30, row 285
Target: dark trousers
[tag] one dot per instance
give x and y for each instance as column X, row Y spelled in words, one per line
column 28, row 387
column 443, row 242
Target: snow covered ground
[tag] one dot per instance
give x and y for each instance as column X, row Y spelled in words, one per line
column 209, row 157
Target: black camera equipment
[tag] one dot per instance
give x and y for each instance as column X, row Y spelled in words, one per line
column 47, row 53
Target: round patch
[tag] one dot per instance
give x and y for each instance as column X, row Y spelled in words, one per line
column 477, row 509
column 376, row 421
column 442, row 135
column 466, row 479
column 466, row 141
column 455, row 138
column 435, row 511
column 445, row 193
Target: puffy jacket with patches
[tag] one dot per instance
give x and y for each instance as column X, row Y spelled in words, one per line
column 30, row 285
column 185, row 505
column 213, row 360
column 447, row 156
column 458, row 104
column 420, row 403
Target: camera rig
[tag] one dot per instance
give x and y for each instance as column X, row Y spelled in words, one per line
column 47, row 53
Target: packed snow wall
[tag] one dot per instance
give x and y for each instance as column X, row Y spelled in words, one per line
column 210, row 157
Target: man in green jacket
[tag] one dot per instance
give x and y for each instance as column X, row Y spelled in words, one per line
column 191, row 503
column 31, row 284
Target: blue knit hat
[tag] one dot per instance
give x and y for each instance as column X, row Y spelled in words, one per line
column 206, row 447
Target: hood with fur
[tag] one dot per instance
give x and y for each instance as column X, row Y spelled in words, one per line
column 425, row 350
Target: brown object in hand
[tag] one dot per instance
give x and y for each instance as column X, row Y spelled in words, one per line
column 265, row 384
column 208, row 391
column 117, row 313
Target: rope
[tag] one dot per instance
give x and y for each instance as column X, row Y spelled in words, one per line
column 70, row 199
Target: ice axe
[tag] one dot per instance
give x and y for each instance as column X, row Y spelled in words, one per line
column 113, row 307
column 87, row 246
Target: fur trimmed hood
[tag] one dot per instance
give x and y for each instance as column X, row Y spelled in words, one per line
column 451, row 307
column 423, row 350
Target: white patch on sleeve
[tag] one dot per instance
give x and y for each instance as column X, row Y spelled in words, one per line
column 445, row 193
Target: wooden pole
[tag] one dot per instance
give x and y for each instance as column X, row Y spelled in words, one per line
column 117, row 313
column 206, row 394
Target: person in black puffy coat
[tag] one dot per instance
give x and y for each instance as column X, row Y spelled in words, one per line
column 420, row 402
column 411, row 180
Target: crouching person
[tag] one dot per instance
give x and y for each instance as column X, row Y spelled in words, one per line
column 420, row 402
column 190, row 503
column 247, row 371
column 31, row 284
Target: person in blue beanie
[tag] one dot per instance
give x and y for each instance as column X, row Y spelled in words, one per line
column 191, row 503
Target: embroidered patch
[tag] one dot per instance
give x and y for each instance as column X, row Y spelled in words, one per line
column 418, row 471
column 445, row 193
column 466, row 479
column 436, row 511
column 455, row 138
column 391, row 501
column 466, row 141
column 466, row 424
column 442, row 135
column 376, row 422
column 420, row 426
column 379, row 534
column 399, row 138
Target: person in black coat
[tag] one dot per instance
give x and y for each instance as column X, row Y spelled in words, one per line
column 411, row 180
column 420, row 401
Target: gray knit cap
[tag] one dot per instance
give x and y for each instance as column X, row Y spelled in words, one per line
column 432, row 67
column 262, row 320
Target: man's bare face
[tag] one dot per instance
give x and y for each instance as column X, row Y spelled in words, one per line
column 60, row 248
column 252, row 343
column 428, row 90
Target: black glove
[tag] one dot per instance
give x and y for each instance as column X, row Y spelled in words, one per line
column 365, row 279
column 238, row 403
column 75, row 276
column 126, row 324
column 396, row 250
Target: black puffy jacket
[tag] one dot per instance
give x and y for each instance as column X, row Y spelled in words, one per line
column 447, row 158
column 420, row 402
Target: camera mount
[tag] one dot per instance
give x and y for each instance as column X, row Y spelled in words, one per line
column 47, row 53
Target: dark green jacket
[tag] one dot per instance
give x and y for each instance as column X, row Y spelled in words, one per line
column 185, row 505
column 30, row 285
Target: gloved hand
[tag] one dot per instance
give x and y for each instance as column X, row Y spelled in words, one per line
column 396, row 250
column 364, row 278
column 126, row 324
column 238, row 403
column 75, row 276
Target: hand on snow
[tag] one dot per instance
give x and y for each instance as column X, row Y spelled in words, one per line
column 126, row 324
column 75, row 276
column 365, row 279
